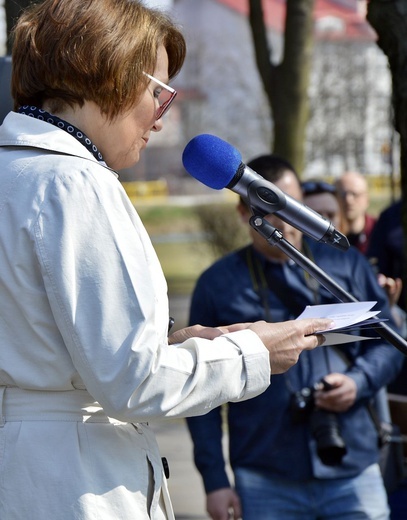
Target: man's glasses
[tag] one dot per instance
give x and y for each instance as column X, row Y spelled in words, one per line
column 347, row 193
column 165, row 96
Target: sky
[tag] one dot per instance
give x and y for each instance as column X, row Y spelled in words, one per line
column 158, row 3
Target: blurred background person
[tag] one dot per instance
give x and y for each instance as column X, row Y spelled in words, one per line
column 386, row 253
column 321, row 196
column 386, row 241
column 353, row 194
column 275, row 441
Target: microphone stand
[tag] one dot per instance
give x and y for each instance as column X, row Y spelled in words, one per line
column 275, row 238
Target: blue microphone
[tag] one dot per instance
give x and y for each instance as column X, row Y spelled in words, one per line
column 218, row 165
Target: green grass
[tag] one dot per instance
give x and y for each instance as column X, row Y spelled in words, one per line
column 182, row 263
column 162, row 219
column 182, row 260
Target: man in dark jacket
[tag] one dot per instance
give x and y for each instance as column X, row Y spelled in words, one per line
column 276, row 440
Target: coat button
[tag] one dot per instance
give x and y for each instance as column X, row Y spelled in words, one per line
column 166, row 467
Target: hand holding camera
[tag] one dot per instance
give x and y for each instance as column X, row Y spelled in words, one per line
column 317, row 405
column 338, row 394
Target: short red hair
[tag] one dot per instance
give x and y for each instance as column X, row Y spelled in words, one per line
column 69, row 51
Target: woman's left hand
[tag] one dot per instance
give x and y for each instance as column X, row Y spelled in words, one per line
column 199, row 331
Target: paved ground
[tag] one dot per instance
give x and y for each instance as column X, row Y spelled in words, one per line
column 179, row 309
column 185, row 483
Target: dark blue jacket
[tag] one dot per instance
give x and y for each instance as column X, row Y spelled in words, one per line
column 386, row 246
column 262, row 433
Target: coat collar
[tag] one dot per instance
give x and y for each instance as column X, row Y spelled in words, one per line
column 21, row 130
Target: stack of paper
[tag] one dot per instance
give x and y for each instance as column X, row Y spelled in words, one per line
column 346, row 316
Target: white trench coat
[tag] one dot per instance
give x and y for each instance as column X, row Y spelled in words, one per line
column 84, row 359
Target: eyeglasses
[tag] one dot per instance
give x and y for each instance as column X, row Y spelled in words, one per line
column 355, row 195
column 317, row 187
column 165, row 96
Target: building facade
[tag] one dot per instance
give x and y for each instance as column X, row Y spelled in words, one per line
column 350, row 123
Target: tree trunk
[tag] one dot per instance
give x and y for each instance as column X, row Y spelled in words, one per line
column 286, row 84
column 389, row 19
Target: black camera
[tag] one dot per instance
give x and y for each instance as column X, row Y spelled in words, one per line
column 324, row 425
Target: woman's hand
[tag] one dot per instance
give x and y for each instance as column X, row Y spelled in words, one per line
column 285, row 341
column 196, row 331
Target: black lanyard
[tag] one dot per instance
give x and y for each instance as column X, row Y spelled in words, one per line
column 263, row 282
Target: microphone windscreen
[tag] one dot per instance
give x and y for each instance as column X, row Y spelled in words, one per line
column 211, row 160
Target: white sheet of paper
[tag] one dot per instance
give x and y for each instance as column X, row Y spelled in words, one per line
column 342, row 314
column 343, row 321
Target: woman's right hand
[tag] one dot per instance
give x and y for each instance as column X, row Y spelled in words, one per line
column 286, row 340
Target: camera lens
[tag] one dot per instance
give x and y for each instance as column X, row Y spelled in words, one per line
column 331, row 447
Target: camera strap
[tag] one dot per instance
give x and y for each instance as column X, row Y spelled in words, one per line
column 263, row 281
